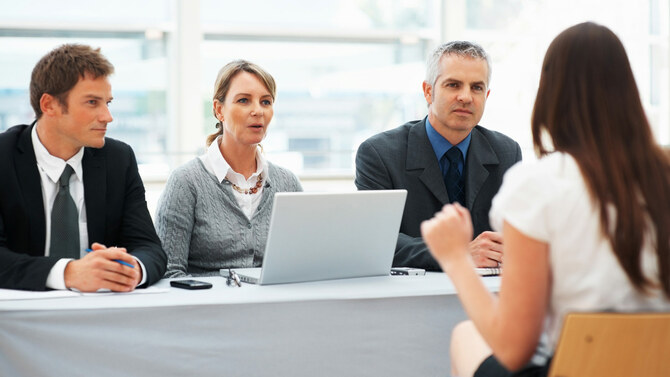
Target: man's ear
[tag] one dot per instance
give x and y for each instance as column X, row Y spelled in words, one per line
column 427, row 92
column 49, row 104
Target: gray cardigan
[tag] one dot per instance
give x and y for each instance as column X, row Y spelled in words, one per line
column 203, row 228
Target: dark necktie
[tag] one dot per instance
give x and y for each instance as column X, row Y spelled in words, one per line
column 64, row 220
column 453, row 178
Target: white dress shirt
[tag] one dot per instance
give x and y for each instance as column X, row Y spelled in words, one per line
column 217, row 165
column 50, row 169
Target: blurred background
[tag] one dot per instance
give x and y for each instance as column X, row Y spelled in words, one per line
column 345, row 69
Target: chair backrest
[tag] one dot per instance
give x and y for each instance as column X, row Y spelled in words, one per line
column 613, row 344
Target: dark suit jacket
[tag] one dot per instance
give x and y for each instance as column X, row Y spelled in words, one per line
column 403, row 158
column 116, row 210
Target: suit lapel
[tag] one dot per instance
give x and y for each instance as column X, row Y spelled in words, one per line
column 420, row 156
column 31, row 188
column 95, row 191
column 480, row 154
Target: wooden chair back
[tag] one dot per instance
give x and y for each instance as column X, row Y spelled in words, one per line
column 612, row 345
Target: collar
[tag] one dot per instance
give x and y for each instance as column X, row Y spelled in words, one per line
column 220, row 166
column 52, row 165
column 442, row 145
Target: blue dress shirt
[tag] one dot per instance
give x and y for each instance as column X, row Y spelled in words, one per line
column 441, row 146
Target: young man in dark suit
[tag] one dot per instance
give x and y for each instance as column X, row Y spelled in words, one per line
column 66, row 188
column 443, row 158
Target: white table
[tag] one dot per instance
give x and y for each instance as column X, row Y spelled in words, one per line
column 381, row 326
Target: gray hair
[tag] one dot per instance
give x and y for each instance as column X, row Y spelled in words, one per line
column 460, row 48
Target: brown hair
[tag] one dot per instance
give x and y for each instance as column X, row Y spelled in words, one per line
column 225, row 78
column 589, row 105
column 60, row 70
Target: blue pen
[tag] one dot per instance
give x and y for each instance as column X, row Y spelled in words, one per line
column 116, row 260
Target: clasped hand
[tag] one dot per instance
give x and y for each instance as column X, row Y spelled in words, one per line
column 99, row 270
column 487, row 249
column 448, row 236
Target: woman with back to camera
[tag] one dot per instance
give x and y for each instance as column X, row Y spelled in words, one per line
column 215, row 210
column 585, row 228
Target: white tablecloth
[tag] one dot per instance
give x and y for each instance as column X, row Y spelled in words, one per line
column 382, row 326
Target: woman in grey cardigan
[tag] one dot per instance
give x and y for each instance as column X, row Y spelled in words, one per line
column 215, row 210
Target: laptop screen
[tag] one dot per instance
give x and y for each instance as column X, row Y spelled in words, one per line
column 321, row 236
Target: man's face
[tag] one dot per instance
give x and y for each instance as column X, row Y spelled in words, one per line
column 84, row 122
column 456, row 101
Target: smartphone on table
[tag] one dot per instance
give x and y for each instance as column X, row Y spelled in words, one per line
column 190, row 284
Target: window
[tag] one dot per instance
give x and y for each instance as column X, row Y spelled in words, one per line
column 139, row 85
column 345, row 69
column 340, row 92
column 516, row 33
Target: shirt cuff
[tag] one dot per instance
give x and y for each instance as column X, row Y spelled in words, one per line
column 144, row 271
column 56, row 277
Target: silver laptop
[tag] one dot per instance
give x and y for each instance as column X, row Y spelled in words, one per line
column 323, row 236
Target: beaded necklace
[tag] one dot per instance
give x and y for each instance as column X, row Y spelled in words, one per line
column 251, row 190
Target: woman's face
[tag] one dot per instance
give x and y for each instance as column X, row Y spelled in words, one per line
column 247, row 110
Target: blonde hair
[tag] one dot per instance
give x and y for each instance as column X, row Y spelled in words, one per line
column 224, row 80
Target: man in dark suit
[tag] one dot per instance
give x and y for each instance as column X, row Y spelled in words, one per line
column 66, row 188
column 444, row 158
